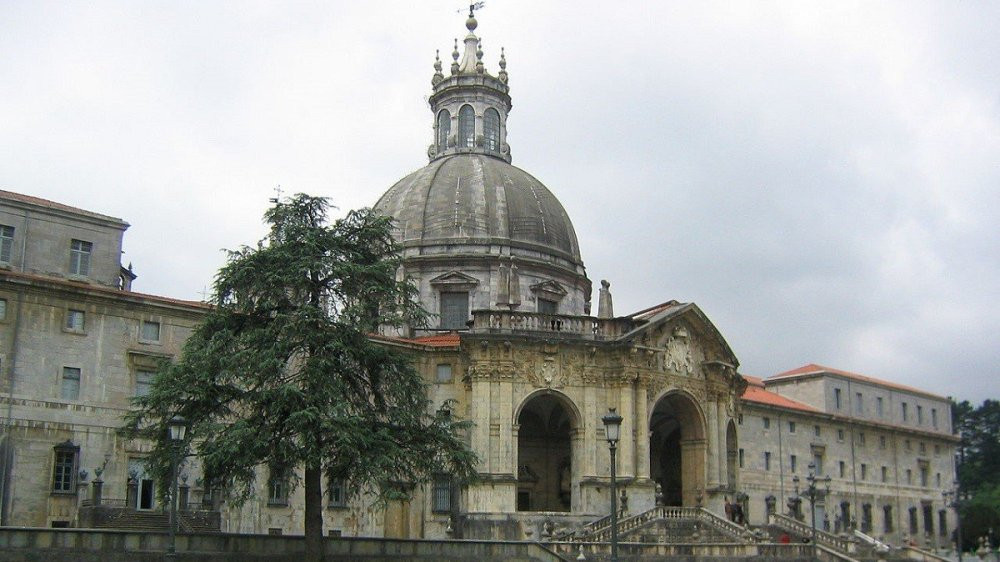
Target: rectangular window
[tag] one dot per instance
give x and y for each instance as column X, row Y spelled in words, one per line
column 943, row 523
column 934, row 418
column 767, row 460
column 442, row 494
column 842, row 468
column 454, row 310
column 791, row 427
column 337, row 492
column 70, row 388
column 143, row 382
column 864, row 471
column 887, row 518
column 923, row 476
column 793, row 462
column 920, row 415
column 907, row 445
column 913, row 521
column 909, row 476
column 767, row 423
column 741, row 458
column 866, row 518
column 818, row 464
column 79, row 257
column 444, row 372
column 879, row 409
column 937, row 450
column 816, row 430
column 906, row 415
column 923, row 448
column 6, row 243
column 150, row 331
column 840, row 435
column 836, row 398
column 861, row 439
column 546, row 306
column 277, row 488
column 937, row 478
column 74, row 320
column 881, row 441
column 859, row 403
column 3, row 309
column 64, row 470
column 885, row 474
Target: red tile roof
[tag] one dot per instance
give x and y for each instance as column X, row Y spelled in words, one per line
column 439, row 340
column 54, row 205
column 653, row 310
column 755, row 392
column 814, row 369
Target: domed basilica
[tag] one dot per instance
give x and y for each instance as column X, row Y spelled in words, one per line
column 514, row 347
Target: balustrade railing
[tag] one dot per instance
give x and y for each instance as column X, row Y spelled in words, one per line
column 585, row 327
column 822, row 537
column 600, row 530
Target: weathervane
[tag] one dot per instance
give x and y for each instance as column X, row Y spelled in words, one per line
column 473, row 7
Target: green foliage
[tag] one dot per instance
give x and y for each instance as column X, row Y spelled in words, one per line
column 282, row 372
column 978, row 467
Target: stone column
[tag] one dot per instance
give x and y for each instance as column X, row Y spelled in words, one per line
column 626, row 446
column 98, row 491
column 712, row 434
column 183, row 492
column 641, row 432
column 132, row 489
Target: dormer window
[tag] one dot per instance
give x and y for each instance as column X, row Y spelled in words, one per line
column 466, row 127
column 444, row 129
column 491, row 130
column 79, row 257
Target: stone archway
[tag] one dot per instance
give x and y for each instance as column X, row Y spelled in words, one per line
column 545, row 465
column 677, row 449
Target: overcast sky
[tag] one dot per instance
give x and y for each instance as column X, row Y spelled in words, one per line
column 822, row 179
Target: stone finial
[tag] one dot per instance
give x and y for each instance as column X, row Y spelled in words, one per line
column 502, row 75
column 438, row 76
column 480, row 67
column 454, row 58
column 604, row 306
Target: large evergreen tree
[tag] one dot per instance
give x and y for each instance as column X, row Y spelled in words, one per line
column 282, row 373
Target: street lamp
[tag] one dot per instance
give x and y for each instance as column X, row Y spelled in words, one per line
column 954, row 498
column 176, row 429
column 814, row 493
column 612, row 430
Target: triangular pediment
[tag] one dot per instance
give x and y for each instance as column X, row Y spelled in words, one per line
column 455, row 279
column 550, row 289
column 678, row 321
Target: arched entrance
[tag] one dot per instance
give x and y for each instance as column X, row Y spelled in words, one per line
column 545, row 453
column 677, row 449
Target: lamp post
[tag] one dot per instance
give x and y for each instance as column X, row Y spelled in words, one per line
column 612, row 428
column 176, row 429
column 954, row 498
column 813, row 492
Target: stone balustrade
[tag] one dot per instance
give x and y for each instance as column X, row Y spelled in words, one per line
column 558, row 325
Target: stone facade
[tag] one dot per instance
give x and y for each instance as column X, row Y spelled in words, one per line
column 887, row 468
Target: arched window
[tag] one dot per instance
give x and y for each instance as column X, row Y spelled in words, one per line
column 444, row 129
column 491, row 130
column 466, row 127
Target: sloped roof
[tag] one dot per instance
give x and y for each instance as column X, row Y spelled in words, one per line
column 755, row 392
column 644, row 319
column 450, row 339
column 32, row 200
column 814, row 369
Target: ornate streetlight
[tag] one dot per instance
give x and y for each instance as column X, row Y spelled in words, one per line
column 612, row 430
column 176, row 430
column 813, row 492
column 954, row 498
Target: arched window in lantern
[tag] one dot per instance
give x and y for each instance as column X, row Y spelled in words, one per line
column 466, row 127
column 443, row 130
column 491, row 130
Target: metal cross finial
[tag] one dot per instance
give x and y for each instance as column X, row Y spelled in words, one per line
column 475, row 6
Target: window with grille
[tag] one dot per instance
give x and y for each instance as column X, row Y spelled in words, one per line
column 70, row 388
column 454, row 310
column 442, row 494
column 337, row 492
column 143, row 382
column 491, row 130
column 444, row 129
column 79, row 257
column 74, row 320
column 466, row 127
column 6, row 243
column 64, row 469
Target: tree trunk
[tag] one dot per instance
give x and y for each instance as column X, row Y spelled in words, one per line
column 314, row 514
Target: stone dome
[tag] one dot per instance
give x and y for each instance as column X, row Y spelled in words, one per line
column 479, row 200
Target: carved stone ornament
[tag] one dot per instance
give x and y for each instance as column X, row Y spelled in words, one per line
column 678, row 355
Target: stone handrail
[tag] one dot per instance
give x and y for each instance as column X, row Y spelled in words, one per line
column 823, row 538
column 722, row 524
column 600, row 530
column 563, row 325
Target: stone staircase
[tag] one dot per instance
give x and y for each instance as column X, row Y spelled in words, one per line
column 664, row 524
column 111, row 517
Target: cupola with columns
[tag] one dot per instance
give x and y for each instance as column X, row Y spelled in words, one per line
column 470, row 105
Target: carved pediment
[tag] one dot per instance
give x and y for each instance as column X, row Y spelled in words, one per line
column 454, row 281
column 549, row 290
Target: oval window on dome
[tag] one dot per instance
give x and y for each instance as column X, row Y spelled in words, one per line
column 491, row 130
column 444, row 129
column 466, row 127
